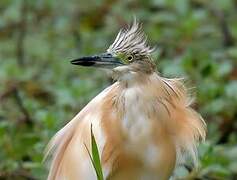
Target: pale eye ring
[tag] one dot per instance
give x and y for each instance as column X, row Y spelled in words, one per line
column 130, row 58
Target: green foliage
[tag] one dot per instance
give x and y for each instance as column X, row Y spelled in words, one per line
column 95, row 157
column 40, row 91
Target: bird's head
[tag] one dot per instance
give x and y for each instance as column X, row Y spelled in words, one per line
column 129, row 54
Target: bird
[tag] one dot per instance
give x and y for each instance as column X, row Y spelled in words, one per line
column 144, row 124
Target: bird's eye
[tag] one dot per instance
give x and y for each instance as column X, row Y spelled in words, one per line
column 130, row 58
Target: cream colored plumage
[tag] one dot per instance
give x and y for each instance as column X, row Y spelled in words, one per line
column 143, row 123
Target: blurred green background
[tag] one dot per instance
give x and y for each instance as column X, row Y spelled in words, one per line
column 40, row 91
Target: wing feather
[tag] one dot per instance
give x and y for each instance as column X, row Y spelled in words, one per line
column 68, row 143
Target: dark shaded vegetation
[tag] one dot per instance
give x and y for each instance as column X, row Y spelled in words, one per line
column 40, row 90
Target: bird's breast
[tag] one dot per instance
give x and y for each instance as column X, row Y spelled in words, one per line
column 137, row 123
column 144, row 137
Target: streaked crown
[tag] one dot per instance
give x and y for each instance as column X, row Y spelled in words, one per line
column 131, row 40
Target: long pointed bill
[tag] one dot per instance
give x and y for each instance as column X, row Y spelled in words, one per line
column 104, row 61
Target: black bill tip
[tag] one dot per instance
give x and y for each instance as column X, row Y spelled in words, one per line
column 82, row 63
column 85, row 61
column 105, row 60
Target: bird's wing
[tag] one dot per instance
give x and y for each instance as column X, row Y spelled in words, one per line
column 70, row 160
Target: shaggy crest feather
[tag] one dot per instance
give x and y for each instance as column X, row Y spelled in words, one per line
column 131, row 40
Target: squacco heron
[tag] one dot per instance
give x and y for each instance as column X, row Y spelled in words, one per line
column 143, row 123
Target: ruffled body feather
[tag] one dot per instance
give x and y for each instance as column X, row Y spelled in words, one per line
column 144, row 127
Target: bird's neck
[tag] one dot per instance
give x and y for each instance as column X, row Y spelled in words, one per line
column 134, row 73
column 138, row 104
column 128, row 78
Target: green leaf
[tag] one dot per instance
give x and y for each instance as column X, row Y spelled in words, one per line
column 95, row 157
